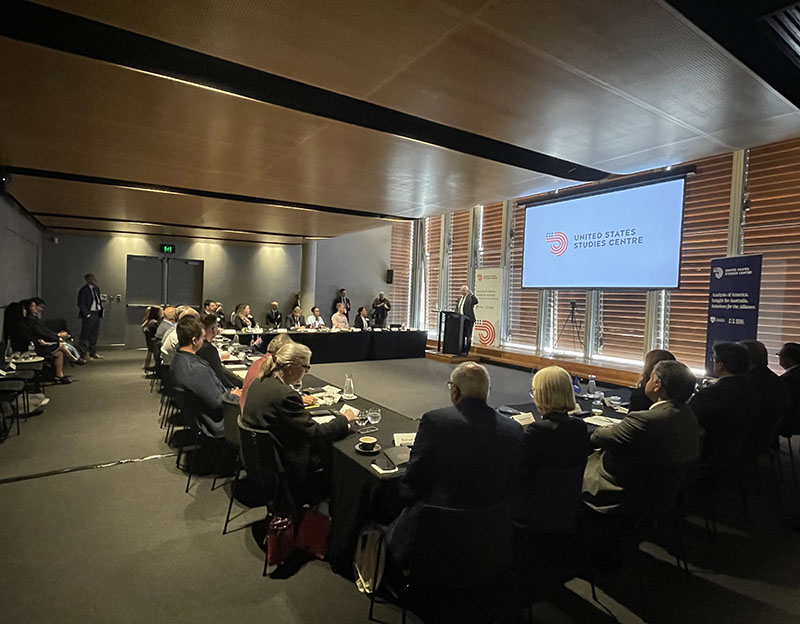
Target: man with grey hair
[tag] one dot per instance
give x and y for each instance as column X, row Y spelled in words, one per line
column 642, row 459
column 380, row 309
column 170, row 343
column 464, row 456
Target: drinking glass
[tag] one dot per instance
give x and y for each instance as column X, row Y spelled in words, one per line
column 362, row 419
column 597, row 407
column 374, row 415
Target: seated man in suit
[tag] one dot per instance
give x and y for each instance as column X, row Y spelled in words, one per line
column 339, row 320
column 167, row 323
column 193, row 374
column 295, row 320
column 727, row 408
column 210, row 354
column 274, row 319
column 465, row 456
column 789, row 359
column 170, row 343
column 773, row 397
column 362, row 320
column 646, row 449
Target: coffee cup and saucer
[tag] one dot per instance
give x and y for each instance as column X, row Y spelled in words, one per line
column 368, row 445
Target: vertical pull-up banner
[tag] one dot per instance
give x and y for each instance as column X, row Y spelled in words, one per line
column 489, row 291
column 733, row 295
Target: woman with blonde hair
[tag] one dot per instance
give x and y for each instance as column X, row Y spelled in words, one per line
column 639, row 401
column 262, row 364
column 273, row 405
column 242, row 318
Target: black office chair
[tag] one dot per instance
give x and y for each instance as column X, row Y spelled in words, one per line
column 190, row 412
column 230, row 414
column 10, row 391
column 260, row 455
column 465, row 552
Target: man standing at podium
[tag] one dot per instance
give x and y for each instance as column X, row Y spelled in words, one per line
column 466, row 306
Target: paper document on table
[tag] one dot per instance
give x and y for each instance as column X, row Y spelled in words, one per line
column 600, row 421
column 345, row 409
column 404, row 439
column 380, row 470
column 241, row 374
column 321, row 420
column 525, row 418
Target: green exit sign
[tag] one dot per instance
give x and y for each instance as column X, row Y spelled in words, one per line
column 167, row 248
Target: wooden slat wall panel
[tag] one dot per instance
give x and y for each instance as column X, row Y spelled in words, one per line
column 490, row 252
column 523, row 303
column 400, row 260
column 433, row 233
column 705, row 236
column 620, row 331
column 772, row 228
column 458, row 265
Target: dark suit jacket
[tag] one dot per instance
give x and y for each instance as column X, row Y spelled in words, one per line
column 463, row 457
column 774, row 401
column 346, row 306
column 380, row 309
column 239, row 324
column 274, row 406
column 360, row 322
column 274, row 319
column 209, row 353
column 291, row 322
column 192, row 373
column 85, row 300
column 556, row 441
column 635, row 453
column 725, row 411
column 791, row 380
column 469, row 306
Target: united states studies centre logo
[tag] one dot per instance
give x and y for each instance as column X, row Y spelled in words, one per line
column 558, row 242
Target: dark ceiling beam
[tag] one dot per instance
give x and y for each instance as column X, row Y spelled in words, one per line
column 59, row 30
column 180, row 190
column 71, row 228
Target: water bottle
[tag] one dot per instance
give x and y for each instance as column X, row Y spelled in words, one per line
column 591, row 389
column 576, row 385
column 349, row 388
column 9, row 351
column 31, row 349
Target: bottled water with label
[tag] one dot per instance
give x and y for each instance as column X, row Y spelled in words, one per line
column 591, row 389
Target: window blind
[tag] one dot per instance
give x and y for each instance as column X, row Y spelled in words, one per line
column 400, row 260
column 432, row 268
column 523, row 304
column 490, row 236
column 620, row 324
column 458, row 261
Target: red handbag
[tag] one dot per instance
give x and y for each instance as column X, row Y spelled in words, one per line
column 312, row 534
column 279, row 539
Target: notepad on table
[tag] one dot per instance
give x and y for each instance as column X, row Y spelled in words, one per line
column 600, row 421
column 321, row 420
column 525, row 418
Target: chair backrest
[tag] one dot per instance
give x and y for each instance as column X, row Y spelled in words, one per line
column 230, row 414
column 188, row 405
column 661, row 489
column 553, row 502
column 259, row 450
column 461, row 548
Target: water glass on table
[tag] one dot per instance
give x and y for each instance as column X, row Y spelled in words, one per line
column 597, row 407
column 374, row 415
column 361, row 418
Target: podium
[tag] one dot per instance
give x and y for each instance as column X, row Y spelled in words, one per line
column 452, row 332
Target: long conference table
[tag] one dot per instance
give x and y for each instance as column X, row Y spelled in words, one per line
column 352, row 346
column 361, row 495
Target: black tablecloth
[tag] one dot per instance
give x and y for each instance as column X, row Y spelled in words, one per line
column 359, row 494
column 329, row 347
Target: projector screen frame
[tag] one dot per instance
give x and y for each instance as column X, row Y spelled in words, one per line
column 647, row 178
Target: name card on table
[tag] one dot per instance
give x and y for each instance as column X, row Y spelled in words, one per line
column 354, row 329
column 525, row 418
column 283, row 330
column 395, row 329
column 377, row 329
column 404, row 439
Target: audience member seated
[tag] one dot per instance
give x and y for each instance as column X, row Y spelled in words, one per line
column 314, row 320
column 726, row 409
column 773, row 398
column 339, row 320
column 46, row 341
column 639, row 400
column 273, row 405
column 274, row 319
column 361, row 320
column 151, row 321
column 193, row 374
column 170, row 343
column 557, row 440
column 15, row 330
column 209, row 307
column 646, row 450
column 167, row 323
column 260, row 366
column 210, row 354
column 789, row 359
column 465, row 456
column 295, row 320
column 242, row 318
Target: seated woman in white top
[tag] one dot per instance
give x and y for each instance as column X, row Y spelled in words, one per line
column 314, row 320
column 339, row 320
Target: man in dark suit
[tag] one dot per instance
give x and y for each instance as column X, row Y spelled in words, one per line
column 90, row 311
column 342, row 298
column 466, row 306
column 465, row 456
column 774, row 400
column 295, row 320
column 643, row 458
column 726, row 409
column 274, row 317
column 789, row 359
column 209, row 353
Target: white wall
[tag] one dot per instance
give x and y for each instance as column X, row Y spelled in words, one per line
column 233, row 273
column 357, row 262
column 20, row 253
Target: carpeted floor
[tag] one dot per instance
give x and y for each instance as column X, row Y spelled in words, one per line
column 125, row 544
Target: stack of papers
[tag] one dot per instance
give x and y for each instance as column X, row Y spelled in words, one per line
column 330, row 395
column 601, row 421
column 321, row 420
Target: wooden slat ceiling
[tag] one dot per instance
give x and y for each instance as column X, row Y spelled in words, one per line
column 620, row 85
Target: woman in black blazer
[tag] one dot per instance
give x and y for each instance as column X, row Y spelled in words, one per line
column 242, row 319
column 362, row 320
column 639, row 401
